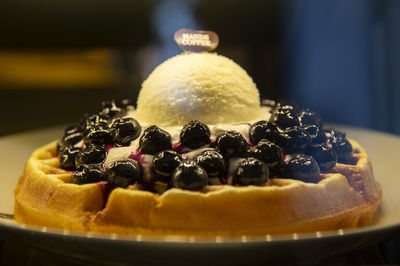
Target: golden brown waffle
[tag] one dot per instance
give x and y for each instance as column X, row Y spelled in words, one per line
column 346, row 197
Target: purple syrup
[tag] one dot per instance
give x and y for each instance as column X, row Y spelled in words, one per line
column 137, row 156
column 109, row 147
column 177, row 147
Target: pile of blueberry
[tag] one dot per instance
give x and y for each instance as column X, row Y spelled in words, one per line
column 292, row 144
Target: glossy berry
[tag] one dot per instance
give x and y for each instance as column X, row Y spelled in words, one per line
column 213, row 162
column 124, row 173
column 293, row 140
column 164, row 163
column 71, row 129
column 341, row 145
column 301, row 167
column 262, row 130
column 92, row 154
column 231, row 144
column 97, row 134
column 312, row 131
column 251, row 172
column 285, row 116
column 154, row 140
column 88, row 173
column 195, row 134
column 72, row 139
column 124, row 130
column 308, row 117
column 112, row 109
column 190, row 176
column 68, row 156
column 324, row 154
column 269, row 153
column 97, row 119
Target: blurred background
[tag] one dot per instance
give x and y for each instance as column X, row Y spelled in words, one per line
column 60, row 59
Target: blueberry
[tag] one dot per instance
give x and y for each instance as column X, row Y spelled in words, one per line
column 67, row 158
column 97, row 119
column 231, row 144
column 251, row 172
column 164, row 163
column 72, row 139
column 269, row 153
column 190, row 176
column 112, row 109
column 341, row 145
column 312, row 131
column 124, row 130
column 195, row 134
column 285, row 116
column 97, row 134
column 301, row 167
column 308, row 117
column 123, row 173
column 262, row 130
column 213, row 162
column 72, row 129
column 324, row 154
column 293, row 140
column 320, row 138
column 92, row 154
column 88, row 173
column 154, row 140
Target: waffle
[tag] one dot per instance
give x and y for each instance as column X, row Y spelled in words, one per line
column 345, row 197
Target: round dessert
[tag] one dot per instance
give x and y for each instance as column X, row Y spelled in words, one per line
column 199, row 156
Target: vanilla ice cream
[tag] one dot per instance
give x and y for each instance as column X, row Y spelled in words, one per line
column 203, row 86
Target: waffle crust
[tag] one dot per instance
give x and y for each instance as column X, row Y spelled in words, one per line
column 346, row 197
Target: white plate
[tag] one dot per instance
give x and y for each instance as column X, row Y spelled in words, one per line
column 384, row 150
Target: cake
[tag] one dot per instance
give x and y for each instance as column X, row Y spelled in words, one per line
column 199, row 155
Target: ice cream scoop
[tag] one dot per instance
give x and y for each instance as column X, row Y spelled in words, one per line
column 203, row 86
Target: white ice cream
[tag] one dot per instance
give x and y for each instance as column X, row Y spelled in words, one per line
column 203, row 86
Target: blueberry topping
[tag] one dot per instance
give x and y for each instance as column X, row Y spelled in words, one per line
column 88, row 173
column 285, row 116
column 97, row 134
column 154, row 140
column 269, row 153
column 213, row 162
column 92, row 154
column 301, row 167
column 308, row 117
column 195, row 134
column 293, row 140
column 262, row 130
column 320, row 138
column 124, row 173
column 72, row 139
column 112, row 109
column 164, row 163
column 72, row 129
column 98, row 119
column 341, row 145
column 67, row 157
column 312, row 131
column 124, row 130
column 251, row 172
column 231, row 144
column 190, row 176
column 324, row 155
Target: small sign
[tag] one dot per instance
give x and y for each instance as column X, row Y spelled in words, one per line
column 196, row 40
